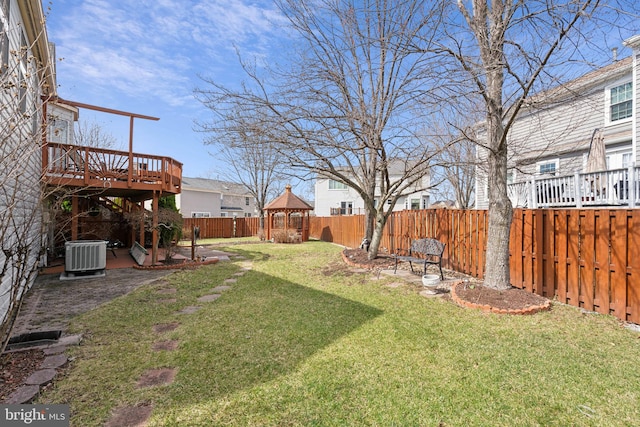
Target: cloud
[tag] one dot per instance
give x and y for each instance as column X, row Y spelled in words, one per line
column 155, row 48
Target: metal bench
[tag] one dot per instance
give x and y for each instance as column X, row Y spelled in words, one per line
column 422, row 251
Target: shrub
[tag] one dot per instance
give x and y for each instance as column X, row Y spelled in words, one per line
column 290, row 235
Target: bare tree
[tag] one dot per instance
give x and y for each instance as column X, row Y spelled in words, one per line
column 347, row 107
column 169, row 225
column 254, row 161
column 93, row 134
column 505, row 51
column 456, row 155
column 457, row 172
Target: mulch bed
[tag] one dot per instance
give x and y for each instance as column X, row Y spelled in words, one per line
column 177, row 265
column 512, row 300
column 15, row 367
column 360, row 258
column 506, row 300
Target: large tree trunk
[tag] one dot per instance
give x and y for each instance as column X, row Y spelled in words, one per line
column 368, row 225
column 497, row 273
column 381, row 221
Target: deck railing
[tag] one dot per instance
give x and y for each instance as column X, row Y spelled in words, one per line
column 65, row 164
column 616, row 187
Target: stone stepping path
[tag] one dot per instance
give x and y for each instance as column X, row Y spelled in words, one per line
column 168, row 300
column 41, row 377
column 25, row 394
column 165, row 327
column 130, row 416
column 55, row 361
column 46, row 371
column 394, row 285
column 54, row 350
column 139, row 415
column 190, row 309
column 168, row 345
column 428, row 293
column 209, row 298
column 154, row 377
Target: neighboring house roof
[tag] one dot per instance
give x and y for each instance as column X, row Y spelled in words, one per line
column 572, row 91
column 289, row 201
column 580, row 85
column 213, row 185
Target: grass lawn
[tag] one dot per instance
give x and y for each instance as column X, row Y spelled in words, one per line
column 299, row 341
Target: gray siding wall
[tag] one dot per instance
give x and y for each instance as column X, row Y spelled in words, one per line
column 238, row 201
column 559, row 132
column 21, row 233
column 199, row 201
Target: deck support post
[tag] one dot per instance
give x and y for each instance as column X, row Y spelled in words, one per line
column 154, row 233
column 140, row 207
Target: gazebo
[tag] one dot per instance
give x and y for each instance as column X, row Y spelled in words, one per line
column 288, row 213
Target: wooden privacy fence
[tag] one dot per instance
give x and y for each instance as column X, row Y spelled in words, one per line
column 222, row 227
column 587, row 258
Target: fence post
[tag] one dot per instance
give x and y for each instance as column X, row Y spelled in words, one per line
column 578, row 190
column 631, row 184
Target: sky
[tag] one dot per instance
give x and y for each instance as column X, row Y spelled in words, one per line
column 148, row 56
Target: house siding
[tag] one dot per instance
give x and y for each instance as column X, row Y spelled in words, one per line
column 190, row 201
column 216, row 197
column 21, row 224
column 326, row 199
column 561, row 132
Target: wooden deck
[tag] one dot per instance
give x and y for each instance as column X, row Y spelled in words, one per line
column 114, row 173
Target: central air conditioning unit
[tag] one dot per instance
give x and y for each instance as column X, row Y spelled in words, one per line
column 85, row 256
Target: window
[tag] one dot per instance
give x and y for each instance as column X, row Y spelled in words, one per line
column 246, row 201
column 223, row 214
column 415, row 204
column 619, row 159
column 200, row 214
column 346, row 208
column 335, row 185
column 548, row 167
column 247, row 214
column 621, row 102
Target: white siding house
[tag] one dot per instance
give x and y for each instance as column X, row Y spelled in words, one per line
column 211, row 198
column 551, row 141
column 26, row 75
column 335, row 198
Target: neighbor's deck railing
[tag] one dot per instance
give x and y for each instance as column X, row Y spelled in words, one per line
column 73, row 165
column 616, row 187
